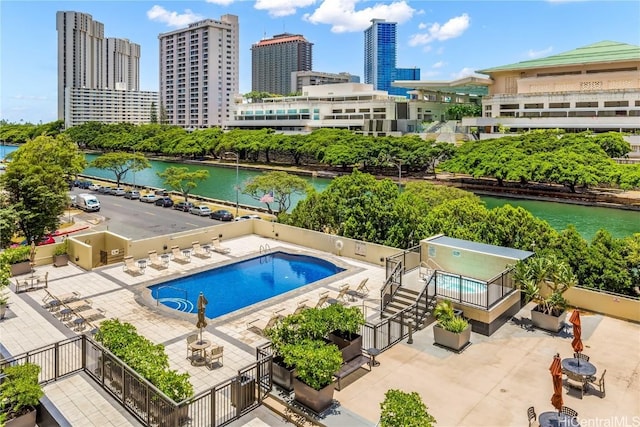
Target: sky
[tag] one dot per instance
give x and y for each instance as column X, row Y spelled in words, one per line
column 446, row 39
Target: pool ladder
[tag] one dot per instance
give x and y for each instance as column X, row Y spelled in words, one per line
column 265, row 248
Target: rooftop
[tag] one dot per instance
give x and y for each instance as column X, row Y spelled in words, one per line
column 491, row 383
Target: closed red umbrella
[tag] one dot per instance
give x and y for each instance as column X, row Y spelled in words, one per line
column 556, row 377
column 577, row 331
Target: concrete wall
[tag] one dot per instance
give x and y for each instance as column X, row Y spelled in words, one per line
column 467, row 263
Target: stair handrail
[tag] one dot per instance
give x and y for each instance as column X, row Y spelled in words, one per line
column 396, row 272
column 418, row 316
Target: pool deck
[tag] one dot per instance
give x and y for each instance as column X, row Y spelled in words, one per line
column 491, row 383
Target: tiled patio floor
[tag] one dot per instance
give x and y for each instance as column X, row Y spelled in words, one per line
column 490, row 384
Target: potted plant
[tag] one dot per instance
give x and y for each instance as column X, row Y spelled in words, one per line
column 5, row 274
column 531, row 275
column 450, row 331
column 316, row 363
column 281, row 334
column 404, row 409
column 61, row 254
column 20, row 393
column 18, row 259
column 345, row 323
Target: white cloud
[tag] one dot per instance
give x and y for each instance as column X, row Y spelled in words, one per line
column 172, row 19
column 422, row 26
column 538, row 53
column 344, row 18
column 439, row 64
column 453, row 28
column 465, row 72
column 428, row 74
column 282, row 7
column 220, row 2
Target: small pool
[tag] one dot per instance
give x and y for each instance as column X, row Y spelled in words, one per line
column 452, row 283
column 243, row 283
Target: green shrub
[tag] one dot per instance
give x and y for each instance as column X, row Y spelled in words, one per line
column 315, row 362
column 15, row 255
column 401, row 409
column 146, row 358
column 20, row 389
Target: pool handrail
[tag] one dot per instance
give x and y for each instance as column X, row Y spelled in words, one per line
column 170, row 287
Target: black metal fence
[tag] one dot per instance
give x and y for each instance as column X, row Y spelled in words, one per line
column 471, row 291
column 223, row 403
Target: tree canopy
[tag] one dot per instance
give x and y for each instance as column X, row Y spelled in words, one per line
column 275, row 188
column 36, row 181
column 182, row 180
column 120, row 163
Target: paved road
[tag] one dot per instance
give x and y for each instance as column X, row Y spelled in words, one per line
column 138, row 220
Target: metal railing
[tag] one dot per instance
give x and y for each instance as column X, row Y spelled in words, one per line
column 223, row 403
column 474, row 292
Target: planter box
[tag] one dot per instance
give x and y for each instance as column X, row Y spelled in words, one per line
column 547, row 322
column 282, row 375
column 350, row 348
column 25, row 420
column 452, row 340
column 316, row 400
column 61, row 260
column 19, row 268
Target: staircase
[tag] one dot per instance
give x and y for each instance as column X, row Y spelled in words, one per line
column 403, row 299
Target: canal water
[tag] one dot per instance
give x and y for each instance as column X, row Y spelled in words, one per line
column 222, row 183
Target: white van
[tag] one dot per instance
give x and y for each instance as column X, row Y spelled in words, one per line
column 88, row 202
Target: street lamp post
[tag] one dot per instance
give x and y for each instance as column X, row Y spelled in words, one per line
column 399, row 166
column 237, row 165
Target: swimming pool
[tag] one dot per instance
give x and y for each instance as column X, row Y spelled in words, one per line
column 452, row 283
column 243, row 283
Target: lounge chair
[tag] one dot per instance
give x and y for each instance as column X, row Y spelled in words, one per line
column 76, row 305
column 131, row 267
column 178, row 256
column 322, row 300
column 156, row 262
column 361, row 291
column 598, row 382
column 199, row 251
column 340, row 298
column 63, row 298
column 261, row 324
column 216, row 353
column 301, row 306
column 215, row 242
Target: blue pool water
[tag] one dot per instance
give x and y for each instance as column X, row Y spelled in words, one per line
column 447, row 282
column 244, row 283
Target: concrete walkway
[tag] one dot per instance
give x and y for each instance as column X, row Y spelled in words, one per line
column 491, row 383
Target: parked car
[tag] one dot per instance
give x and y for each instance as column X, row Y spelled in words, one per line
column 222, row 215
column 105, row 189
column 161, row 192
column 165, row 202
column 148, row 198
column 132, row 194
column 200, row 210
column 81, row 183
column 94, row 187
column 183, row 206
column 245, row 217
column 119, row 191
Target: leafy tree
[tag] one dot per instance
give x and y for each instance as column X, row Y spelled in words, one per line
column 153, row 114
column 461, row 218
column 402, row 409
column 164, row 118
column 612, row 143
column 605, row 266
column 275, row 188
column 36, row 181
column 180, row 179
column 516, row 228
column 120, row 163
column 458, row 111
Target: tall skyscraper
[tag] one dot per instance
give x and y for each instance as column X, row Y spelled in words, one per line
column 88, row 60
column 380, row 58
column 199, row 72
column 273, row 60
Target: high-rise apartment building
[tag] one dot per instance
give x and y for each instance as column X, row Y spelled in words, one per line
column 273, row 60
column 199, row 72
column 88, row 60
column 380, row 58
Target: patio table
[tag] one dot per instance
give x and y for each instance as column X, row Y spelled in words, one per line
column 578, row 367
column 199, row 347
column 555, row 419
